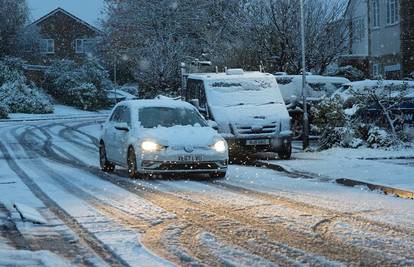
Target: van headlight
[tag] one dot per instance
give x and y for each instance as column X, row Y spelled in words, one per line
column 220, row 146
column 151, row 146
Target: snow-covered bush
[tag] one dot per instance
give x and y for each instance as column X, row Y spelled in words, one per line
column 16, row 94
column 378, row 137
column 18, row 97
column 340, row 137
column 327, row 114
column 84, row 86
column 11, row 69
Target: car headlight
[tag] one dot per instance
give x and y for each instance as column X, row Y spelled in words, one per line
column 150, row 146
column 220, row 146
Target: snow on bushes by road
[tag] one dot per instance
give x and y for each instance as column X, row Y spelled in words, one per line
column 84, row 86
column 16, row 94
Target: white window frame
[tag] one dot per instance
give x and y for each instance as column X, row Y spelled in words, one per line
column 80, row 46
column 376, row 14
column 393, row 12
column 47, row 46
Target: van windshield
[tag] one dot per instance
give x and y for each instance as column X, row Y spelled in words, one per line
column 152, row 117
column 240, row 92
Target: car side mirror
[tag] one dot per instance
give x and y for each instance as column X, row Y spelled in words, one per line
column 195, row 103
column 212, row 124
column 122, row 126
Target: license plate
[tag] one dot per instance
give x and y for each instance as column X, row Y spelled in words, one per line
column 190, row 158
column 258, row 142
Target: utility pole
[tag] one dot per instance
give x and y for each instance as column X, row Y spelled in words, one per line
column 305, row 107
column 115, row 81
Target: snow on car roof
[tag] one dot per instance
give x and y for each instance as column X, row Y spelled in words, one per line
column 144, row 103
column 370, row 83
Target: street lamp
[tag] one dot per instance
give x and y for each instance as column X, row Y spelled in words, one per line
column 305, row 107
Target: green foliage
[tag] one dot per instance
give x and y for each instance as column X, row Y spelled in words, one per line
column 328, row 114
column 16, row 95
column 83, row 86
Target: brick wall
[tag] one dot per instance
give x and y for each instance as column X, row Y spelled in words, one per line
column 64, row 30
column 407, row 36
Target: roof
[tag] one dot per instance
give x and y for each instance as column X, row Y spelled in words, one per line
column 57, row 10
column 224, row 76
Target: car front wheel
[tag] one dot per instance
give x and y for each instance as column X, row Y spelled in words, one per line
column 132, row 163
column 106, row 166
column 286, row 152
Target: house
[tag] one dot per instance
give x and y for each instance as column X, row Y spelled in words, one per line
column 61, row 35
column 380, row 37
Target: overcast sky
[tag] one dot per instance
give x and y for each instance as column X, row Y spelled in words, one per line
column 88, row 10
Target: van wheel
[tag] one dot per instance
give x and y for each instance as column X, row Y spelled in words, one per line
column 132, row 163
column 286, row 152
column 106, row 166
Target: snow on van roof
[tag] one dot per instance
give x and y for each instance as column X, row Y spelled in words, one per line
column 145, row 103
column 225, row 76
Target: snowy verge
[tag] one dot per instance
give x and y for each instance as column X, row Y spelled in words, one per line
column 60, row 112
column 388, row 168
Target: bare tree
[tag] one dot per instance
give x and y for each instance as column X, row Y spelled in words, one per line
column 275, row 27
column 157, row 35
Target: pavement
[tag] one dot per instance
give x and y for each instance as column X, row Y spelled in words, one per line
column 387, row 171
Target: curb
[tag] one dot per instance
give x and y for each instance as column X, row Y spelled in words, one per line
column 72, row 117
column 387, row 190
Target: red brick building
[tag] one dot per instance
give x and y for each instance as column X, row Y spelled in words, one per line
column 62, row 36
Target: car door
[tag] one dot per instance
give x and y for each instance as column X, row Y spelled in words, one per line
column 121, row 136
column 109, row 135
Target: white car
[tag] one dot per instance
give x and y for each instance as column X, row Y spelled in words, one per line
column 161, row 136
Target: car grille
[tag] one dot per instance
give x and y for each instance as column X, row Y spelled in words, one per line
column 259, row 130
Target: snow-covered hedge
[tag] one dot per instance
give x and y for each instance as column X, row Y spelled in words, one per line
column 341, row 129
column 84, row 86
column 16, row 94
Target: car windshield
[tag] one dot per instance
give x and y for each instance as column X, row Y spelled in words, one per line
column 240, row 92
column 152, row 117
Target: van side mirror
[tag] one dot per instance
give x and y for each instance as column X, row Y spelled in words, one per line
column 122, row 126
column 212, row 124
column 195, row 103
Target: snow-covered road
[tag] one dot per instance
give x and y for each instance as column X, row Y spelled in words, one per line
column 254, row 217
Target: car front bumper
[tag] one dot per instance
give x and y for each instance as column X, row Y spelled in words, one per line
column 276, row 142
column 179, row 161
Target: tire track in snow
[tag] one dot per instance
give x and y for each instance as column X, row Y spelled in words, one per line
column 90, row 240
column 154, row 192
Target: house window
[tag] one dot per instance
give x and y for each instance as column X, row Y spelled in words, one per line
column 376, row 13
column 84, row 46
column 392, row 12
column 47, row 46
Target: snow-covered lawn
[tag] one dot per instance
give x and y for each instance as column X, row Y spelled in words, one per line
column 60, row 111
column 392, row 168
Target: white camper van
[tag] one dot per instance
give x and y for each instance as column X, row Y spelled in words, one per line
column 246, row 107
